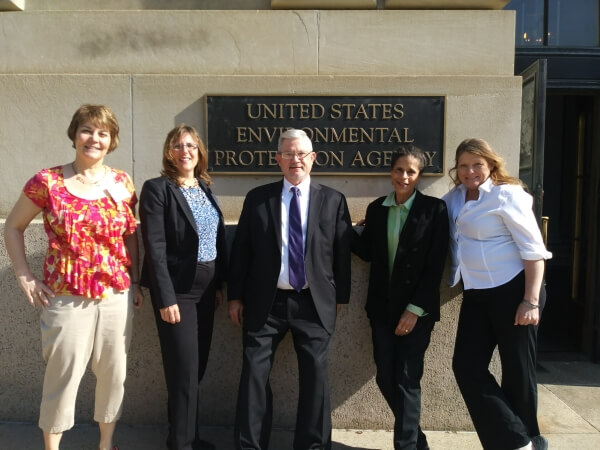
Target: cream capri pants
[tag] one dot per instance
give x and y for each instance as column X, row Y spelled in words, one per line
column 75, row 330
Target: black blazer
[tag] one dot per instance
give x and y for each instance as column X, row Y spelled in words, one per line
column 171, row 241
column 419, row 262
column 256, row 253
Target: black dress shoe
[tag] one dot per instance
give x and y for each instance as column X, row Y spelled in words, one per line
column 422, row 441
column 539, row 442
column 423, row 446
column 204, row 445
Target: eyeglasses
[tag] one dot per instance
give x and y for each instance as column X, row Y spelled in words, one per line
column 290, row 155
column 189, row 146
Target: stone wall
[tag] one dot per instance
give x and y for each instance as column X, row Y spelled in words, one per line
column 154, row 68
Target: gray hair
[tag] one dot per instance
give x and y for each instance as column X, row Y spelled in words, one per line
column 294, row 134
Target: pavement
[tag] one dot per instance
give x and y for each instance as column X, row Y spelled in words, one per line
column 568, row 411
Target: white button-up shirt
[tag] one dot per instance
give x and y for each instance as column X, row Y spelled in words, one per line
column 286, row 195
column 491, row 236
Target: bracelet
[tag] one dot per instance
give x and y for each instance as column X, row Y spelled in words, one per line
column 531, row 305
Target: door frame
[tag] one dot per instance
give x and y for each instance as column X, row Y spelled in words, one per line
column 533, row 134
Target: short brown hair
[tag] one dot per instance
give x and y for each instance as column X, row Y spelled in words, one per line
column 100, row 116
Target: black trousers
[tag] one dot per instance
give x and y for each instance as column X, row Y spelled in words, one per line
column 504, row 415
column 295, row 312
column 185, row 347
column 399, row 361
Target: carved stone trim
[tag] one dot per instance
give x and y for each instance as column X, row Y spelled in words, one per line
column 323, row 4
column 12, row 5
column 445, row 4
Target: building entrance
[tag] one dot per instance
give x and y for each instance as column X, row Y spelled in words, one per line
column 571, row 201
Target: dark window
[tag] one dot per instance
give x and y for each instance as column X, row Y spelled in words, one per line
column 556, row 23
column 530, row 22
column 573, row 23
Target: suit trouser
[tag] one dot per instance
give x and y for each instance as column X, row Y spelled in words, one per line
column 185, row 347
column 504, row 416
column 295, row 312
column 399, row 361
column 76, row 330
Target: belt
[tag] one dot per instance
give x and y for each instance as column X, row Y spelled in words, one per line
column 291, row 291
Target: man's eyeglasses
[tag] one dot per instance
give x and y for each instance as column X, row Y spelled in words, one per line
column 188, row 146
column 290, row 155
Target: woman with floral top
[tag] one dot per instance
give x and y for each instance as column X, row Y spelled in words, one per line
column 184, row 265
column 90, row 283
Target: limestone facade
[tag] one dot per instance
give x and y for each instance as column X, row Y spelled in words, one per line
column 154, row 69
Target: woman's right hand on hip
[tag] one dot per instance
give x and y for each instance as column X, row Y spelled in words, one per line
column 35, row 290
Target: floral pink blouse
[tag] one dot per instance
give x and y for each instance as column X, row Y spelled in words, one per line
column 86, row 253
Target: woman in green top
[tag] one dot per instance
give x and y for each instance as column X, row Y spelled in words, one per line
column 406, row 239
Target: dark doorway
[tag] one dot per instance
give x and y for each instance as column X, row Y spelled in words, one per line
column 571, row 171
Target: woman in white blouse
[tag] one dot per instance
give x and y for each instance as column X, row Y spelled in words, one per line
column 498, row 251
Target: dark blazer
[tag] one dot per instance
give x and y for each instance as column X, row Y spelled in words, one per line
column 171, row 241
column 419, row 262
column 256, row 253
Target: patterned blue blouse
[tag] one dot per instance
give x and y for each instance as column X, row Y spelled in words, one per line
column 207, row 222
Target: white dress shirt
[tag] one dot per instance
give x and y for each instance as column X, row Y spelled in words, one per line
column 491, row 236
column 286, row 195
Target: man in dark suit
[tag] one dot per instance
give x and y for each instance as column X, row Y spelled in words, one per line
column 274, row 286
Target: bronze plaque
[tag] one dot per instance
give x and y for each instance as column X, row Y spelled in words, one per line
column 350, row 134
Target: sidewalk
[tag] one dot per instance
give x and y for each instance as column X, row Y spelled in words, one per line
column 569, row 413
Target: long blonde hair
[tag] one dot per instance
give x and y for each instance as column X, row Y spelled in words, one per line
column 479, row 147
column 169, row 169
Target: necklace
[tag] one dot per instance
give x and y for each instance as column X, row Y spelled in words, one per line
column 84, row 179
column 190, row 184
